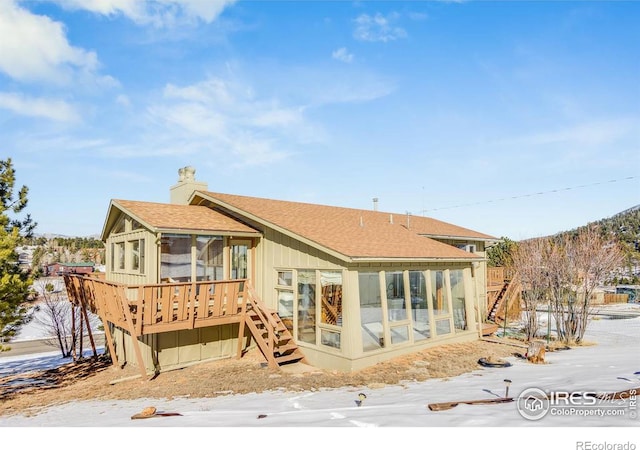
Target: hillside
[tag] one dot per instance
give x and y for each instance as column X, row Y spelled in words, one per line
column 623, row 228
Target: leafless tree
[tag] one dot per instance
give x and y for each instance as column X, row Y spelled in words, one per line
column 593, row 259
column 559, row 288
column 528, row 262
column 577, row 265
column 58, row 318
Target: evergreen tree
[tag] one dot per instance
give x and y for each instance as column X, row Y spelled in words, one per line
column 501, row 254
column 14, row 283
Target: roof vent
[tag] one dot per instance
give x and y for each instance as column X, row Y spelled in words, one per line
column 375, row 203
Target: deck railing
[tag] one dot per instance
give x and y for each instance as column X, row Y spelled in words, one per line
column 495, row 276
column 156, row 308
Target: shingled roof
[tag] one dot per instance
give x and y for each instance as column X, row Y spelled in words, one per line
column 353, row 233
column 165, row 216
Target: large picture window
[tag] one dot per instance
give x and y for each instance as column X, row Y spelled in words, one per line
column 175, row 258
column 209, row 258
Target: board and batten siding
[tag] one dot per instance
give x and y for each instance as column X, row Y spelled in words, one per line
column 149, row 274
column 175, row 349
column 278, row 251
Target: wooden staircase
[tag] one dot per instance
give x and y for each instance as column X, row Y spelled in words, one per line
column 273, row 338
column 509, row 292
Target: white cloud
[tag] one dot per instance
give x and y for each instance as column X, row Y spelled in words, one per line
column 594, row 133
column 35, row 48
column 342, row 55
column 57, row 110
column 160, row 13
column 378, row 28
column 418, row 16
column 123, row 100
column 226, row 116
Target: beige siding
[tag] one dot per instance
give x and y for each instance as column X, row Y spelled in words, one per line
column 178, row 348
column 127, row 276
column 279, row 251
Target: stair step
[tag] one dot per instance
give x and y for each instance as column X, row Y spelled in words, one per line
column 295, row 356
column 282, row 349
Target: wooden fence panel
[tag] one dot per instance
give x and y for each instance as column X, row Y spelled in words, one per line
column 616, row 298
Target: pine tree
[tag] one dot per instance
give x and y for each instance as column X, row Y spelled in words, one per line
column 14, row 283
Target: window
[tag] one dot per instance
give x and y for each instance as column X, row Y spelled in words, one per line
column 119, row 227
column 399, row 334
column 209, row 258
column 331, row 298
column 443, row 326
column 307, row 306
column 330, row 338
column 285, row 278
column 370, row 311
column 419, row 307
column 120, row 255
column 458, row 299
column 395, row 296
column 175, row 258
column 239, row 261
column 284, row 292
column 316, row 310
column 439, row 297
column 137, row 256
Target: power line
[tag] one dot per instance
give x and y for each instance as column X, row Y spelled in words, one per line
column 531, row 195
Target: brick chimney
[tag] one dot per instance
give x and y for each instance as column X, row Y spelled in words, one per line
column 187, row 185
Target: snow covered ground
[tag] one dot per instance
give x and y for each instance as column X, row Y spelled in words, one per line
column 611, row 365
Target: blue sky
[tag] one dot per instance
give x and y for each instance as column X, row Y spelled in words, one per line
column 478, row 113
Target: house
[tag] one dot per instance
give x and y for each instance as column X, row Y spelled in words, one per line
column 352, row 287
column 631, row 290
column 58, row 268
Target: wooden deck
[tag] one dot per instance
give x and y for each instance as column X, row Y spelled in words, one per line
column 157, row 308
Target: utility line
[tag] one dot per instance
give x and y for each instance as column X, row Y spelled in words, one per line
column 532, row 195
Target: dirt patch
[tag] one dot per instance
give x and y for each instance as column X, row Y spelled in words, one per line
column 98, row 380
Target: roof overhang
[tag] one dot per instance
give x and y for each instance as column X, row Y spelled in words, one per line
column 459, row 238
column 413, row 260
column 205, row 232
